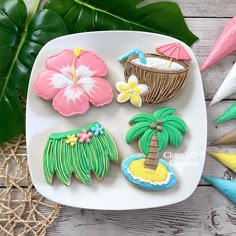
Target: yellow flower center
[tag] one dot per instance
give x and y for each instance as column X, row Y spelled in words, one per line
column 136, row 90
column 77, row 53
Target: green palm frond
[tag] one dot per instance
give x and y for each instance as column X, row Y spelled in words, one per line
column 144, row 142
column 175, row 135
column 176, row 122
column 163, row 112
column 163, row 139
column 167, row 126
column 143, row 117
column 80, row 159
column 136, row 131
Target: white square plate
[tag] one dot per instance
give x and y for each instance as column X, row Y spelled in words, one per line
column 115, row 192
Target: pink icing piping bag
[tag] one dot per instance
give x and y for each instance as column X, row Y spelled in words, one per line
column 225, row 44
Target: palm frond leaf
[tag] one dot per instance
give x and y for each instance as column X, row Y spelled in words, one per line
column 144, row 142
column 163, row 139
column 175, row 136
column 163, row 112
column 176, row 122
column 143, row 117
column 136, row 131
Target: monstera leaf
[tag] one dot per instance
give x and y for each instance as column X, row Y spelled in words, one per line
column 90, row 15
column 20, row 41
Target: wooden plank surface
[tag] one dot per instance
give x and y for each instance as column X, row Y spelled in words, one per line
column 204, row 8
column 206, row 212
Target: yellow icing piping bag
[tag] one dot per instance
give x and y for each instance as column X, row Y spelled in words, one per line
column 228, row 139
column 227, row 159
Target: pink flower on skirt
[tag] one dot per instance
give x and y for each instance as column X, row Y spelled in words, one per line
column 84, row 136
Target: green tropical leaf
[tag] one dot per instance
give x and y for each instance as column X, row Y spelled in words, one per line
column 91, row 15
column 163, row 139
column 176, row 122
column 163, row 112
column 174, row 135
column 21, row 40
column 143, row 117
column 136, row 131
column 145, row 140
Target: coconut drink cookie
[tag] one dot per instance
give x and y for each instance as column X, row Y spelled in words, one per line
column 154, row 133
column 79, row 152
column 74, row 80
column 163, row 73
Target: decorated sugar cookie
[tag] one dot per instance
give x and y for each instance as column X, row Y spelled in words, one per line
column 164, row 74
column 74, row 80
column 79, row 152
column 154, row 132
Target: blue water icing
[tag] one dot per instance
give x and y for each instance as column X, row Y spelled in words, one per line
column 125, row 165
column 134, row 51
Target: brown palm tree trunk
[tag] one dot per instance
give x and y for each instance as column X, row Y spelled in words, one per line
column 151, row 159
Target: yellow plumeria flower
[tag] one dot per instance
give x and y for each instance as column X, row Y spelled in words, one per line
column 71, row 139
column 131, row 91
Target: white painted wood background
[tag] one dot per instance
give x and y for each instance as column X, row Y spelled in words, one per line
column 206, row 212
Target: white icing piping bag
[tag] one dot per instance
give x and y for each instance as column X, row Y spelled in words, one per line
column 227, row 88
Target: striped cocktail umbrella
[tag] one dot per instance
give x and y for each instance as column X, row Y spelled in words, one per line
column 174, row 51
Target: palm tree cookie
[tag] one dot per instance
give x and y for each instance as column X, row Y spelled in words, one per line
column 154, row 132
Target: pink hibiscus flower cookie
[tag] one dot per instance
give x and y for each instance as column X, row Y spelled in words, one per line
column 72, row 81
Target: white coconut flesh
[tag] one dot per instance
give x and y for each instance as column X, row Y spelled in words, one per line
column 159, row 64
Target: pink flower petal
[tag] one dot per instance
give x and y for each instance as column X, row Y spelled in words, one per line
column 88, row 64
column 89, row 134
column 49, row 83
column 61, row 62
column 87, row 140
column 71, row 101
column 98, row 90
column 82, row 139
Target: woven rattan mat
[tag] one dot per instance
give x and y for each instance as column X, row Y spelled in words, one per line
column 23, row 211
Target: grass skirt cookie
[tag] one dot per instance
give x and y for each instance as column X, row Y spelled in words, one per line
column 79, row 152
